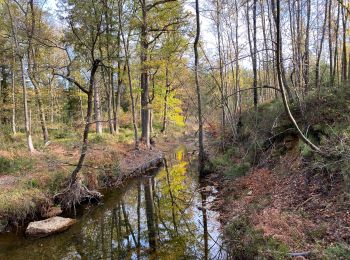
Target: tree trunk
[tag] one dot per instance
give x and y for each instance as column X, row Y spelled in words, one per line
column 25, row 100
column 221, row 86
column 97, row 108
column 14, row 131
column 307, row 52
column 145, row 124
column 41, row 113
column 330, row 44
column 126, row 51
column 344, row 56
column 318, row 58
column 84, row 148
column 276, row 12
column 335, row 62
column 202, row 156
column 254, row 57
column 26, row 112
column 167, row 92
column 32, row 71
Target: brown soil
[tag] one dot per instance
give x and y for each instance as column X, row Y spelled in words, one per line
column 287, row 203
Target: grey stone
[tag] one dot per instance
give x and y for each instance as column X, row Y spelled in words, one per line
column 48, row 226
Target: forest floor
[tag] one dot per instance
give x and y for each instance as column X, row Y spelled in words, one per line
column 29, row 182
column 281, row 198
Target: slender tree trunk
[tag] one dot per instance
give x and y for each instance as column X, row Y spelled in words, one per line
column 41, row 114
column 84, row 148
column 26, row 112
column 344, row 55
column 266, row 58
column 330, row 42
column 307, row 52
column 32, row 70
column 221, row 87
column 81, row 106
column 126, row 50
column 202, row 156
column 276, row 12
column 133, row 110
column 237, row 68
column 252, row 48
column 335, row 62
column 145, row 115
column 97, row 108
column 319, row 53
column 4, row 94
column 25, row 99
column 14, row 131
column 254, row 57
column 52, row 104
column 167, row 92
column 117, row 95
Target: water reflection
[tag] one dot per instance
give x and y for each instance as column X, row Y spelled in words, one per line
column 155, row 217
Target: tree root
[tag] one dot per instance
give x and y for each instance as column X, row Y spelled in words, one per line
column 76, row 193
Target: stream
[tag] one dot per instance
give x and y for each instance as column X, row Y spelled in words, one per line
column 160, row 216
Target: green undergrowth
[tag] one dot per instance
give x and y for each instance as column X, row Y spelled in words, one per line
column 16, row 166
column 339, row 251
column 262, row 141
column 126, row 134
column 245, row 242
column 224, row 163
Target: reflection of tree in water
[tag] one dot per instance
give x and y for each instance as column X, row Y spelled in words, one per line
column 155, row 216
column 161, row 217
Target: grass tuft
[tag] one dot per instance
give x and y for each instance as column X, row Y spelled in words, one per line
column 245, row 242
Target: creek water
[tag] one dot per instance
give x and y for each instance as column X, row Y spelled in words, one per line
column 163, row 215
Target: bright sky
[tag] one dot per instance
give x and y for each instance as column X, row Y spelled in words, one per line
column 207, row 35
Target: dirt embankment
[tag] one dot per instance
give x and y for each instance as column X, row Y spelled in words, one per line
column 286, row 201
column 29, row 183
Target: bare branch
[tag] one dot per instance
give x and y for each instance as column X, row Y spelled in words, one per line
column 73, row 81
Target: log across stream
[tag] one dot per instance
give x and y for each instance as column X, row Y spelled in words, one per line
column 164, row 215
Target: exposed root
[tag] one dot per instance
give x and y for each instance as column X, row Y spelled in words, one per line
column 76, row 193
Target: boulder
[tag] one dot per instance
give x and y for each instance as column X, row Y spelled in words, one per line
column 48, row 226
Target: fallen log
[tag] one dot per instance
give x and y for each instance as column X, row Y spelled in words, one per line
column 137, row 170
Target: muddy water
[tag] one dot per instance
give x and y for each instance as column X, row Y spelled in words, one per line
column 161, row 216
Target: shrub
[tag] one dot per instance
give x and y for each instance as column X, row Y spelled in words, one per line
column 245, row 242
column 237, row 170
column 336, row 158
column 338, row 251
column 56, row 182
column 15, row 165
column 32, row 183
column 225, row 159
column 125, row 135
column 97, row 139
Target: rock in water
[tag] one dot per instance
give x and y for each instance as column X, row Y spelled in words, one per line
column 48, row 226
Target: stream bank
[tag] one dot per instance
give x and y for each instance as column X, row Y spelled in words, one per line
column 277, row 198
column 164, row 214
column 28, row 183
